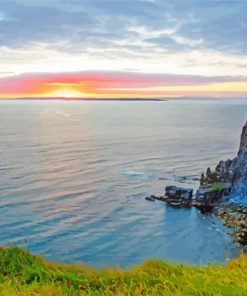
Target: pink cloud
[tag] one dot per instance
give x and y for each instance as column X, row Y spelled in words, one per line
column 100, row 81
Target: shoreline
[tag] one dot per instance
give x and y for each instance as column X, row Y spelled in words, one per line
column 235, row 217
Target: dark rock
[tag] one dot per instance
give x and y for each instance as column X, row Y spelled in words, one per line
column 209, row 195
column 176, row 193
column 150, row 198
column 154, row 197
column 195, row 179
column 204, row 207
column 178, row 197
column 178, row 203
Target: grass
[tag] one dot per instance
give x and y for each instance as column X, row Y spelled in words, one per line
column 217, row 186
column 21, row 273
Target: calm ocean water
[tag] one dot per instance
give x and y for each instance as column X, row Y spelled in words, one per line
column 73, row 177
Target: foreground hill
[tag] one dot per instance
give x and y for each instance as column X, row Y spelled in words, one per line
column 21, row 273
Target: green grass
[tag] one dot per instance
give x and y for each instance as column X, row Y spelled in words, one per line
column 217, row 186
column 21, row 273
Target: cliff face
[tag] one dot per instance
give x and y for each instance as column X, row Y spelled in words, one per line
column 239, row 163
column 243, row 142
column 235, row 172
column 232, row 173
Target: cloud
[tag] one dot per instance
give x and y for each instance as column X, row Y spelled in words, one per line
column 189, row 37
column 221, row 24
column 39, row 24
column 217, row 25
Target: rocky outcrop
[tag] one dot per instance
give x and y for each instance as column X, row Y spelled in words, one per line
column 239, row 163
column 243, row 141
column 231, row 172
column 238, row 166
column 177, row 196
column 174, row 192
column 228, row 179
column 209, row 195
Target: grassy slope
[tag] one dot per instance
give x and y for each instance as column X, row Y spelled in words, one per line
column 24, row 274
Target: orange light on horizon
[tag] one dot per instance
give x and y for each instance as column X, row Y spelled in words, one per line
column 118, row 85
column 66, row 92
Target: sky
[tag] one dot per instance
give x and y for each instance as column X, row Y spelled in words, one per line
column 123, row 49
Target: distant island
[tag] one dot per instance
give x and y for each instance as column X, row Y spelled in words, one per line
column 181, row 98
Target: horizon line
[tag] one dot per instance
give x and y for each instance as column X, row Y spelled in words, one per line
column 120, row 99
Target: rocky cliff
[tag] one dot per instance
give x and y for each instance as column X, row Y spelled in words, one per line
column 232, row 172
column 239, row 163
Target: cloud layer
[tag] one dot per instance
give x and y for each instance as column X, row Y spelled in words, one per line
column 171, row 25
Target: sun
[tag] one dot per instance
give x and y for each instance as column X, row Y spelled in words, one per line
column 66, row 92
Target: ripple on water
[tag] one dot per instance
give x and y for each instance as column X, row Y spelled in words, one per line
column 73, row 182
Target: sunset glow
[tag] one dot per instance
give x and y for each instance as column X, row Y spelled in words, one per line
column 65, row 92
column 118, row 85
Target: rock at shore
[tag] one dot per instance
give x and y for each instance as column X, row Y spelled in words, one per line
column 174, row 192
column 235, row 217
column 209, row 195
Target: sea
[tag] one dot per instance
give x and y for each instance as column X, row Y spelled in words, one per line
column 74, row 176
